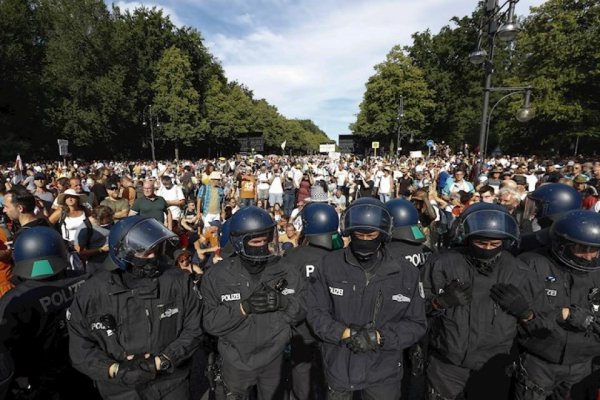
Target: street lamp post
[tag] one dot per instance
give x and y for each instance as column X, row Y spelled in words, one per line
column 524, row 114
column 148, row 119
column 501, row 25
column 399, row 123
column 399, row 134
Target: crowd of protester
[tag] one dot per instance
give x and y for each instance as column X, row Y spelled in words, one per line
column 196, row 199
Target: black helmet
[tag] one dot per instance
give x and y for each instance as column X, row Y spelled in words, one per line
column 136, row 235
column 577, row 231
column 456, row 229
column 550, row 200
column 251, row 223
column 39, row 253
column 489, row 221
column 367, row 216
column 406, row 221
column 320, row 222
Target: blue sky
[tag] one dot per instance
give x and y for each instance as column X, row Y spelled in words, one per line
column 310, row 58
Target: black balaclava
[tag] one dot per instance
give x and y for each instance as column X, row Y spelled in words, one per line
column 144, row 267
column 484, row 260
column 365, row 251
column 253, row 267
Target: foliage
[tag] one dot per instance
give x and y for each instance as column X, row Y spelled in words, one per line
column 73, row 69
column 556, row 53
column 397, row 76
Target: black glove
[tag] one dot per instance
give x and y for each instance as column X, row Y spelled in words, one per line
column 362, row 339
column 455, row 294
column 580, row 319
column 264, row 301
column 510, row 299
column 136, row 371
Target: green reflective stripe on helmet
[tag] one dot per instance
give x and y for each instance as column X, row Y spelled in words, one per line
column 417, row 233
column 41, row 268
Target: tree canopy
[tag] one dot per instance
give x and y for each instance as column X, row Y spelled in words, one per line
column 77, row 70
column 556, row 53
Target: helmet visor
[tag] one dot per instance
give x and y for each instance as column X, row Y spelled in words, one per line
column 145, row 237
column 533, row 208
column 578, row 256
column 257, row 246
column 491, row 224
column 366, row 218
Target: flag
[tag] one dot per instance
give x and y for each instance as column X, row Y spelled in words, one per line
column 283, row 145
column 18, row 175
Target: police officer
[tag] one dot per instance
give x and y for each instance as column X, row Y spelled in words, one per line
column 475, row 296
column 34, row 360
column 542, row 206
column 134, row 328
column 559, row 349
column 366, row 307
column 251, row 302
column 320, row 234
column 407, row 237
column 408, row 241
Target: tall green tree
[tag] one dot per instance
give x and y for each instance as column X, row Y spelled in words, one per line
column 395, row 77
column 561, row 59
column 176, row 100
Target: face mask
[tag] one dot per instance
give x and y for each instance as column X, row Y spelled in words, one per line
column 144, row 267
column 484, row 260
column 257, row 251
column 364, row 250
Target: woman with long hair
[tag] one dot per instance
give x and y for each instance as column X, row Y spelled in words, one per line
column 69, row 215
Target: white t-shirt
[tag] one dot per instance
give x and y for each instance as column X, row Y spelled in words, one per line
column 263, row 180
column 175, row 193
column 276, row 186
column 341, row 177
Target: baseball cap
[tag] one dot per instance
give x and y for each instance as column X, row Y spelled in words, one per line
column 112, row 186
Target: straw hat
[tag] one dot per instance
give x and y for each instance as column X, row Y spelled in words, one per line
column 69, row 192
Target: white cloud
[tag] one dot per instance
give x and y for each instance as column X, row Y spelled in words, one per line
column 312, row 58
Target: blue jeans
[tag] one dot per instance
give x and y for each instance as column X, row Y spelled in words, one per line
column 288, row 203
column 247, row 203
column 384, row 197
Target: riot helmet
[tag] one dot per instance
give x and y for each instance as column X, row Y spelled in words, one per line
column 320, row 223
column 486, row 231
column 134, row 244
column 39, row 253
column 575, row 239
column 369, row 225
column 253, row 235
column 549, row 201
column 406, row 221
column 457, row 231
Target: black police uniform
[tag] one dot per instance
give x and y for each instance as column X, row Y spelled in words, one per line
column 554, row 353
column 114, row 316
column 414, row 253
column 413, row 385
column 389, row 297
column 534, row 241
column 305, row 352
column 34, row 344
column 252, row 345
column 464, row 338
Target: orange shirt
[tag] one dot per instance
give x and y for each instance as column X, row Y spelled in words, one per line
column 248, row 187
column 5, row 267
